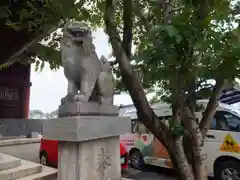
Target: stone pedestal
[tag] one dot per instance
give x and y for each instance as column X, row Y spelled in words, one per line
column 86, row 109
column 88, row 146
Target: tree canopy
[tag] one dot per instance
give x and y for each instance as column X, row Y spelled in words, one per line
column 197, row 49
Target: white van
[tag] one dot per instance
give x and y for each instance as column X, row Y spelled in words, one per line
column 222, row 142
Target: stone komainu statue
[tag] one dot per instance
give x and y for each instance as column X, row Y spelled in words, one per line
column 89, row 79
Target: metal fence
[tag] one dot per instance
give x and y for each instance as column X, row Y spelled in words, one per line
column 20, row 127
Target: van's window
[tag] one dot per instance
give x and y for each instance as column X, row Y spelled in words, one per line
column 227, row 121
column 213, row 126
column 233, row 122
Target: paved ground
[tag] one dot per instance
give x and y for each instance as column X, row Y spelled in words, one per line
column 28, row 152
column 150, row 173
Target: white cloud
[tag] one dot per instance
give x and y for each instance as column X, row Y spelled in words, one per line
column 48, row 87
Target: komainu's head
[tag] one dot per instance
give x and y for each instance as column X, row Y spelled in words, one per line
column 77, row 32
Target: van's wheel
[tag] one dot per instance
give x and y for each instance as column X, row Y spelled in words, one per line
column 136, row 160
column 44, row 159
column 227, row 170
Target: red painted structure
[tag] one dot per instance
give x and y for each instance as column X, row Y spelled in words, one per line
column 15, row 91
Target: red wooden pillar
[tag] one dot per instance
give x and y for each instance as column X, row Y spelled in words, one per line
column 27, row 91
column 27, row 101
column 15, row 91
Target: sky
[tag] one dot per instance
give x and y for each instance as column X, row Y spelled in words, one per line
column 48, row 87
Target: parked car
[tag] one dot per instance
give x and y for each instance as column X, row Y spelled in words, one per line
column 222, row 142
column 48, row 153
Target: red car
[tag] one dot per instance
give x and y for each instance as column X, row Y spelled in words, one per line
column 48, row 153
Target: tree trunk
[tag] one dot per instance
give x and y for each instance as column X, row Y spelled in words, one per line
column 127, row 27
column 179, row 160
column 176, row 147
column 211, row 107
column 196, row 141
column 194, row 153
column 132, row 81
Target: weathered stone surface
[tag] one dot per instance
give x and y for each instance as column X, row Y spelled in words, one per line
column 87, row 160
column 82, row 128
column 86, row 109
column 105, row 84
column 82, row 68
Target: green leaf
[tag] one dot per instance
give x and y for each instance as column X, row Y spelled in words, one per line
column 101, row 5
column 37, row 65
column 48, row 54
column 171, row 30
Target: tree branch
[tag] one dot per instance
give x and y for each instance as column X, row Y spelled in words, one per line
column 28, row 47
column 168, row 10
column 139, row 13
column 127, row 28
column 132, row 81
column 211, row 107
column 52, row 26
